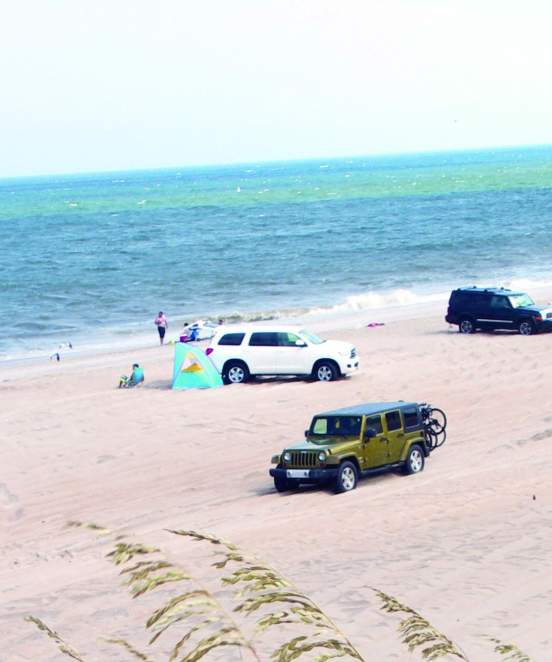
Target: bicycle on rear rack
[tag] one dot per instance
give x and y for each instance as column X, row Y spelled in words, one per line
column 434, row 421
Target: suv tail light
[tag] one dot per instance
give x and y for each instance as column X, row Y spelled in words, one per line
column 209, row 350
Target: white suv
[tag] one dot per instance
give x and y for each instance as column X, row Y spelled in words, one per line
column 241, row 351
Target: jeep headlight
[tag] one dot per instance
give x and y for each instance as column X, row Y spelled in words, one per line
column 322, row 456
column 287, row 456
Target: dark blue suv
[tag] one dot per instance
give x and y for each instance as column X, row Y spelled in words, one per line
column 492, row 308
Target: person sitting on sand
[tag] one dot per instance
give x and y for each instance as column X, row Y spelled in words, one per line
column 136, row 377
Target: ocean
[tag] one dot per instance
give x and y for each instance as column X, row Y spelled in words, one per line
column 91, row 258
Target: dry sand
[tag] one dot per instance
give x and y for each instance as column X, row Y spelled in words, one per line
column 467, row 542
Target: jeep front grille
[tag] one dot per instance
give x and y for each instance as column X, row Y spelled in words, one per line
column 303, row 459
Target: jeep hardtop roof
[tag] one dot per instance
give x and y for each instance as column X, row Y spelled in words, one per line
column 369, row 408
column 492, row 290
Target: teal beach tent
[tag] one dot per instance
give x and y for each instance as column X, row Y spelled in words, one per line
column 192, row 369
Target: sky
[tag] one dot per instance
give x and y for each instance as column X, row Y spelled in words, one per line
column 124, row 84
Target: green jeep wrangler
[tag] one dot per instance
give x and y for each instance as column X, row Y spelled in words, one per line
column 344, row 444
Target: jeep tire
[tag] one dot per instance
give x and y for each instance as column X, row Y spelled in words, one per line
column 466, row 325
column 347, row 477
column 235, row 372
column 526, row 327
column 415, row 460
column 325, row 371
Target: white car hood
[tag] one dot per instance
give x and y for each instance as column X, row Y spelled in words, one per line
column 338, row 346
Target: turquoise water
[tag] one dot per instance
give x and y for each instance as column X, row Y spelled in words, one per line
column 91, row 258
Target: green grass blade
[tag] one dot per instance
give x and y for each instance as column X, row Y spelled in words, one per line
column 64, row 647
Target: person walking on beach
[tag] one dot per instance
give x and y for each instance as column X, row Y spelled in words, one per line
column 162, row 325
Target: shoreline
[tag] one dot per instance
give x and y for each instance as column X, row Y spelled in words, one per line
column 321, row 321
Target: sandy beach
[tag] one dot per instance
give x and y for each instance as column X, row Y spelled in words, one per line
column 466, row 542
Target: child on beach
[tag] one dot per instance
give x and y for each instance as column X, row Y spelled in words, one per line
column 162, row 325
column 136, row 377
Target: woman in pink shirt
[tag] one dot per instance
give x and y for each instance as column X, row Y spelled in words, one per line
column 162, row 325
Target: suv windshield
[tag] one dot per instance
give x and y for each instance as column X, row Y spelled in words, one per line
column 336, row 425
column 311, row 337
column 521, row 300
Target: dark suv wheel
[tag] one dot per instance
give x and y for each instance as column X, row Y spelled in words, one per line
column 235, row 372
column 466, row 325
column 526, row 327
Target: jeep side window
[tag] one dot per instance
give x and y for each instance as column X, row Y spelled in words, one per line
column 374, row 422
column 288, row 339
column 410, row 417
column 500, row 303
column 393, row 419
column 264, row 339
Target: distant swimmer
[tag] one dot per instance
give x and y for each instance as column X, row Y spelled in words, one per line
column 55, row 356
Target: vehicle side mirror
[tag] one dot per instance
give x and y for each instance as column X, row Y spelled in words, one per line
column 300, row 343
column 306, row 433
column 369, row 433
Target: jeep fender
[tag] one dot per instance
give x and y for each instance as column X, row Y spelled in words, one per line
column 350, row 458
column 419, row 442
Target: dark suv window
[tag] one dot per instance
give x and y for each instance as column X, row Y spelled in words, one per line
column 500, row 303
column 463, row 300
column 264, row 339
column 231, row 339
column 393, row 420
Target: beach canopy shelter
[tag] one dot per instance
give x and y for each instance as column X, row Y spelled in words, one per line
column 193, row 369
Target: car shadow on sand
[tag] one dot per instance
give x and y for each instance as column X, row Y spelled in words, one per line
column 367, row 481
column 159, row 385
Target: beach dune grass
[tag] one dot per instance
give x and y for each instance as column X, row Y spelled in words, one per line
column 202, row 621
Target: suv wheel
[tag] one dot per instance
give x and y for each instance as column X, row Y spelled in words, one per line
column 325, row 371
column 526, row 328
column 347, row 477
column 235, row 372
column 466, row 325
column 415, row 460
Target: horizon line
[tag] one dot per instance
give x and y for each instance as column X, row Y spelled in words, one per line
column 229, row 164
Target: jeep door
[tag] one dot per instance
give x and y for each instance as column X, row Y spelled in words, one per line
column 501, row 314
column 395, row 435
column 374, row 449
column 262, row 352
column 294, row 356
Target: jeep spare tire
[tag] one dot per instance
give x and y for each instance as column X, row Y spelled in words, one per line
column 347, row 477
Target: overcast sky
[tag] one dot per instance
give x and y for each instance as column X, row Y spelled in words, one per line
column 121, row 84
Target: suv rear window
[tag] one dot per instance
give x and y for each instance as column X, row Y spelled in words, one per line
column 264, row 339
column 231, row 339
column 468, row 299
